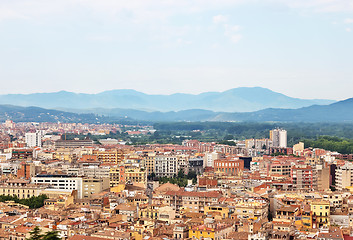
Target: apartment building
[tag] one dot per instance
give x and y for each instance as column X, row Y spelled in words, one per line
column 303, row 178
column 91, row 186
column 166, row 165
column 344, row 176
column 60, row 182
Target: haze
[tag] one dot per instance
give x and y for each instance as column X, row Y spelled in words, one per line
column 300, row 48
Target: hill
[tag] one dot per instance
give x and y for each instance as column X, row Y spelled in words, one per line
column 341, row 111
column 234, row 100
column 36, row 114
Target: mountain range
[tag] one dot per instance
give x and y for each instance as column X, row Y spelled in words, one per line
column 234, row 100
column 341, row 111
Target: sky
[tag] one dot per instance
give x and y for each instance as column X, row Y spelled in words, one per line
column 301, row 48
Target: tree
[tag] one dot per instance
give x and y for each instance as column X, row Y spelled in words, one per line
column 35, row 234
column 181, row 173
column 52, row 235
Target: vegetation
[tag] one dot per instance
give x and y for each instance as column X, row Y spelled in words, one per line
column 225, row 132
column 32, row 202
column 181, row 179
column 36, row 234
column 341, row 145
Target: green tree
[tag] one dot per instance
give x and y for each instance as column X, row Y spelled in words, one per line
column 35, row 234
column 181, row 173
column 52, row 235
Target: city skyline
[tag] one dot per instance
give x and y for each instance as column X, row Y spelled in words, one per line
column 298, row 48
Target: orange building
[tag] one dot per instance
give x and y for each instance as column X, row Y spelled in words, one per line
column 229, row 166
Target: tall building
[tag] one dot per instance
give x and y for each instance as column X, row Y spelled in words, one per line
column 344, row 176
column 34, row 139
column 278, row 138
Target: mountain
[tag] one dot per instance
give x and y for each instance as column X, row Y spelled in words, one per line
column 36, row 114
column 234, row 100
column 341, row 111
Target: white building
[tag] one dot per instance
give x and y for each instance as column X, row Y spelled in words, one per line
column 209, row 159
column 278, row 138
column 166, row 165
column 63, row 182
column 344, row 176
column 34, row 139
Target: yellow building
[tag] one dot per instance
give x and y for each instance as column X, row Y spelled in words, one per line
column 149, row 161
column 116, row 175
column 251, row 210
column 113, row 156
column 304, row 219
column 210, row 231
column 21, row 189
column 91, row 186
column 219, row 209
column 134, row 174
column 320, row 213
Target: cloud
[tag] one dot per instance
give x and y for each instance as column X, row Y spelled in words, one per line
column 232, row 31
column 220, row 19
column 348, row 29
column 348, row 20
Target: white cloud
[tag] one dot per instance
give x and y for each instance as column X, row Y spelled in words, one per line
column 232, row 31
column 348, row 29
column 220, row 19
column 348, row 20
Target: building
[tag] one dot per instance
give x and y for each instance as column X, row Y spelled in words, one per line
column 229, row 166
column 21, row 189
column 112, row 156
column 320, row 213
column 278, row 138
column 303, row 178
column 60, row 182
column 22, row 153
column 117, row 175
column 73, row 143
column 34, row 139
column 344, row 176
column 166, row 165
column 91, row 186
column 26, row 170
column 209, row 159
column 210, row 231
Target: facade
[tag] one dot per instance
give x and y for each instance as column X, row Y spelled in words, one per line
column 73, row 143
column 117, row 175
column 278, row 138
column 21, row 189
column 229, row 167
column 91, row 186
column 60, row 182
column 109, row 156
column 344, row 176
column 321, row 213
column 33, row 139
column 166, row 165
column 303, row 178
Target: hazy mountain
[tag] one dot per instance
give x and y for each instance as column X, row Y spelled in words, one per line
column 234, row 100
column 36, row 114
column 341, row 111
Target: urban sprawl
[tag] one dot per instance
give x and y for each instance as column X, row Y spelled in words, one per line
column 81, row 189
